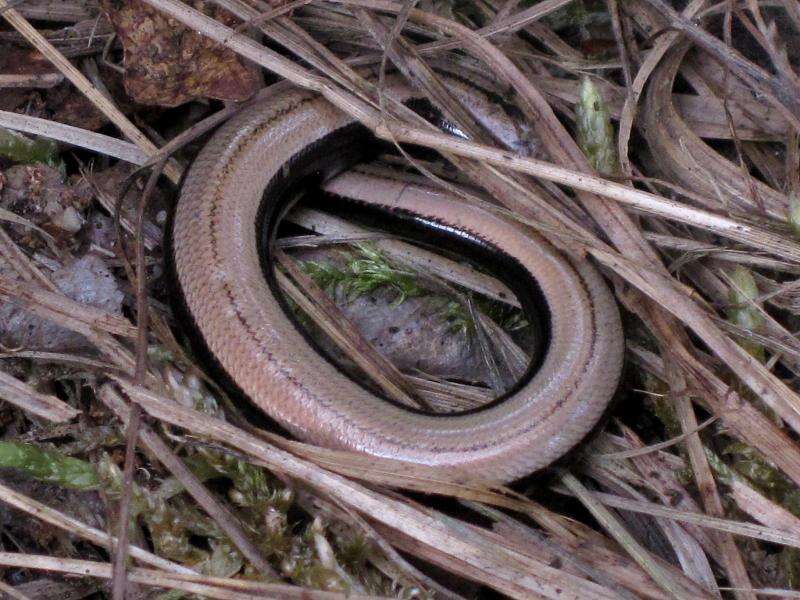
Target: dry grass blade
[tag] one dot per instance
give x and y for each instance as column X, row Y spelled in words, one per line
column 771, row 389
column 781, row 91
column 635, row 89
column 656, row 571
column 45, row 80
column 731, row 558
column 721, row 182
column 74, row 526
column 689, row 551
column 537, row 543
column 657, row 475
column 752, row 502
column 67, row 11
column 10, row 217
column 62, row 358
column 55, row 306
column 642, row 201
column 9, row 592
column 202, row 585
column 25, row 397
column 749, row 372
column 509, row 23
column 751, row 530
column 75, row 136
column 699, row 215
column 634, row 452
column 393, row 473
column 389, row 561
column 18, row 262
column 768, row 592
column 743, row 420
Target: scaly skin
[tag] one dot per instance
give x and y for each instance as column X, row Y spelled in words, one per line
column 216, row 260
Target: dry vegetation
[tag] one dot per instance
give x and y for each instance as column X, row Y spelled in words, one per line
column 668, row 152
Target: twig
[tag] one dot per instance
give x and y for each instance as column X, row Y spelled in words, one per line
column 191, row 583
column 44, row 80
column 25, row 397
column 134, row 420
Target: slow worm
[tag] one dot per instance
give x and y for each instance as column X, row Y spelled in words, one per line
column 230, row 201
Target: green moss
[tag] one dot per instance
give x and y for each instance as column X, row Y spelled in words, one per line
column 750, row 464
column 49, row 465
column 790, row 566
column 366, row 270
column 353, row 552
column 160, row 354
column 21, row 149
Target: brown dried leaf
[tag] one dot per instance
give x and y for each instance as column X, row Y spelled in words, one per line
column 167, row 64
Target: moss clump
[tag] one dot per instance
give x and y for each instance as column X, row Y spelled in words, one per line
column 24, row 150
column 49, row 466
column 367, row 269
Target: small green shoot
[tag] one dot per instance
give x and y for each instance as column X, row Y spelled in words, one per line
column 745, row 312
column 794, row 213
column 594, row 130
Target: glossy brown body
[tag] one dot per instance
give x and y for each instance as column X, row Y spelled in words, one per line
column 217, row 263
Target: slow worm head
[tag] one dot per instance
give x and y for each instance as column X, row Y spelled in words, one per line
column 231, row 196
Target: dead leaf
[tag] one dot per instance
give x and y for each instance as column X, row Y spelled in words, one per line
column 167, row 64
